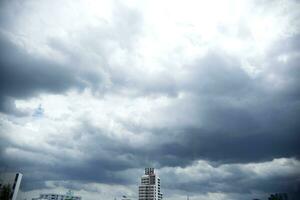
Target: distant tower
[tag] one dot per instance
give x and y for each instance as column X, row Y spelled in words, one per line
column 150, row 186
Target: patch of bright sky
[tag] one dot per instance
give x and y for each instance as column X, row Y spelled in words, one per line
column 174, row 33
column 62, row 112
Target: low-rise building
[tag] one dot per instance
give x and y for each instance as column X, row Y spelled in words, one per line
column 52, row 196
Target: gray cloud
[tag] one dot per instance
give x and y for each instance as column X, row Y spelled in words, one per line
column 207, row 108
column 86, row 64
column 24, row 75
column 240, row 179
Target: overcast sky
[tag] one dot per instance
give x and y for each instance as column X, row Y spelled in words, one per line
column 207, row 92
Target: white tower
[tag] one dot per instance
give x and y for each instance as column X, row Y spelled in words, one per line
column 150, row 186
column 13, row 180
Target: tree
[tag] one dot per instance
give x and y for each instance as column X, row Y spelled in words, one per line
column 5, row 192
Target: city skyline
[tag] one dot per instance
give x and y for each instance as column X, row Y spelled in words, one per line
column 205, row 92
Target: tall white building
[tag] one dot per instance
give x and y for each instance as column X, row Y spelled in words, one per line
column 52, row 196
column 13, row 180
column 149, row 188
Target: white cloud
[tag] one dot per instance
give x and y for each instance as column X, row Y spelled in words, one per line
column 203, row 171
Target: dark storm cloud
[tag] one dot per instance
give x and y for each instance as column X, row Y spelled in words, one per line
column 101, row 158
column 231, row 116
column 242, row 120
column 23, row 75
column 221, row 147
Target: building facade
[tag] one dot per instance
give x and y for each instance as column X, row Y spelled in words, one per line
column 149, row 188
column 52, row 196
column 13, row 180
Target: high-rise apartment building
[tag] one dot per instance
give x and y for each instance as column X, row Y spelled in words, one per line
column 13, row 181
column 149, row 188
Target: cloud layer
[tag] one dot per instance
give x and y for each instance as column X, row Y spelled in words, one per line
column 94, row 91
